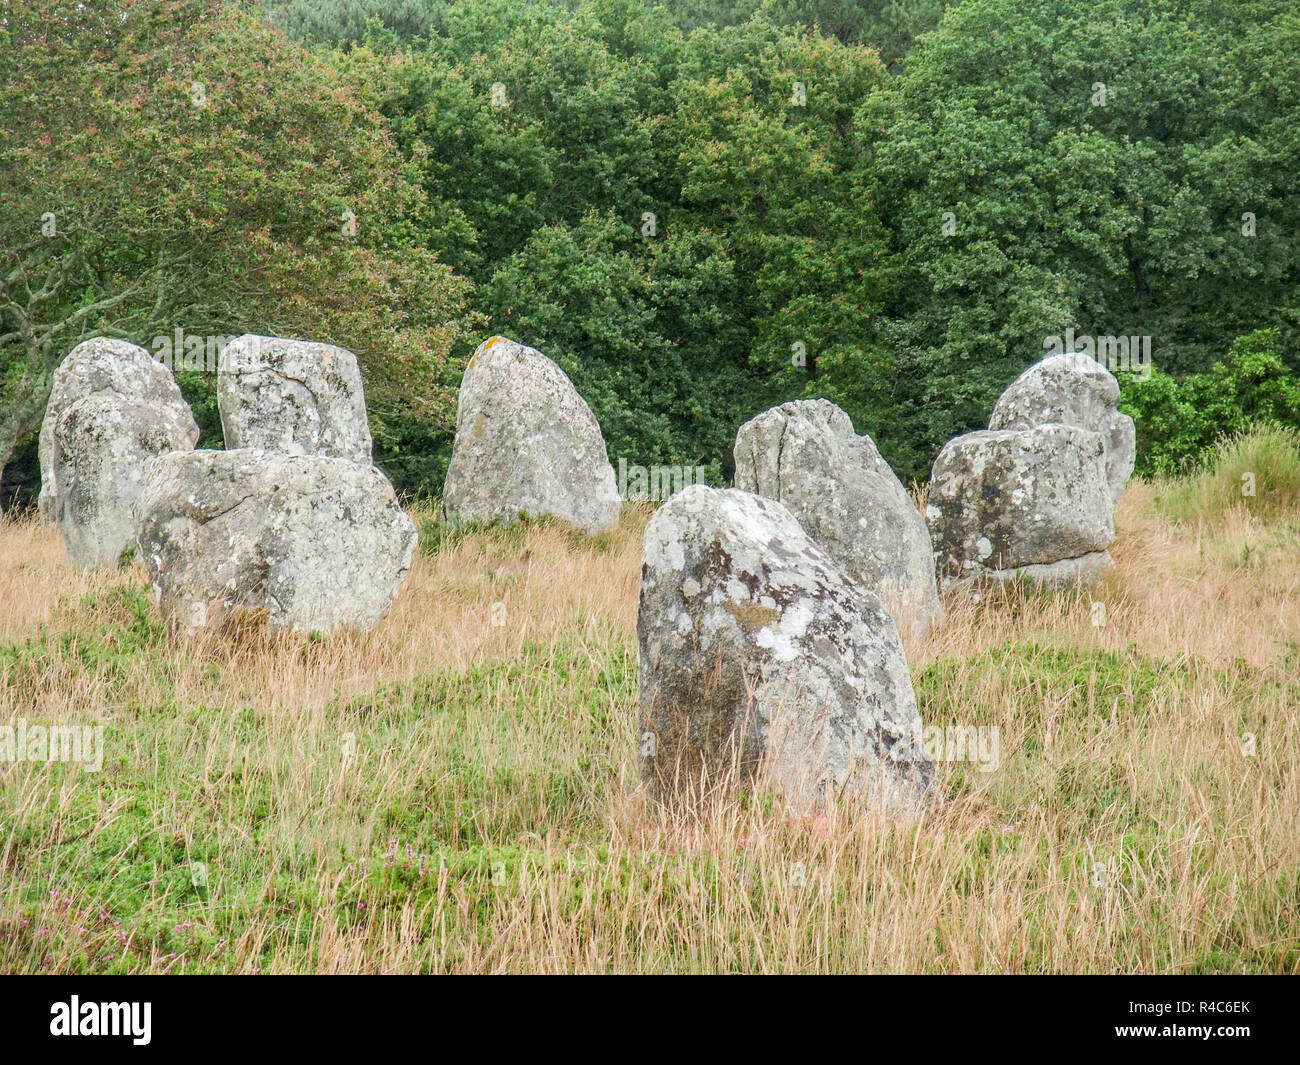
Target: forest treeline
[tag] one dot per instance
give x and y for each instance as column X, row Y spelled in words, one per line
column 698, row 210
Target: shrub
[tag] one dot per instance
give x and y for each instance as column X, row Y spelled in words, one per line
column 1259, row 469
column 1179, row 423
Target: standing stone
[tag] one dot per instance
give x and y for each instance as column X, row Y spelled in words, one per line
column 806, row 455
column 313, row 541
column 1073, row 389
column 105, row 445
column 296, row 397
column 526, row 443
column 101, row 365
column 1029, row 502
column 757, row 651
column 112, row 407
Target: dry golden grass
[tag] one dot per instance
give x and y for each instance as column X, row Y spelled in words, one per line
column 449, row 794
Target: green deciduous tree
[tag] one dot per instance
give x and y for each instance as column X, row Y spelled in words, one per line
column 643, row 327
column 179, row 164
column 1084, row 164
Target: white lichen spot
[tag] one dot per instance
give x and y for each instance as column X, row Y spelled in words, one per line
column 665, row 550
column 778, row 642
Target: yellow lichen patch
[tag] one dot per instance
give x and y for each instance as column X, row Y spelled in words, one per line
column 485, row 346
column 752, row 616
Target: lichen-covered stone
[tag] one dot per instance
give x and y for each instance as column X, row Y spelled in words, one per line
column 758, row 652
column 104, row 444
column 806, row 455
column 1012, row 500
column 526, row 443
column 112, row 407
column 1073, row 389
column 101, row 365
column 312, row 541
column 296, row 397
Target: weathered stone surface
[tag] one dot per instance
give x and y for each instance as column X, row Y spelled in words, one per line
column 104, row 444
column 1010, row 500
column 296, row 397
column 806, row 455
column 109, row 367
column 314, row 541
column 1073, row 389
column 526, row 443
column 1082, row 569
column 757, row 651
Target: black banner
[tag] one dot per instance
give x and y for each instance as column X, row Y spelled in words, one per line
column 170, row 1014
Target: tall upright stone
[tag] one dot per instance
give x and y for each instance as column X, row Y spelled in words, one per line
column 112, row 407
column 526, row 443
column 806, row 455
column 295, row 397
column 759, row 656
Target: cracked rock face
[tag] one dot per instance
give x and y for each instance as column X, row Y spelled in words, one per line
column 757, row 651
column 1084, row 568
column 806, row 455
column 527, row 443
column 317, row 542
column 292, row 396
column 112, row 407
column 1029, row 502
column 1073, row 389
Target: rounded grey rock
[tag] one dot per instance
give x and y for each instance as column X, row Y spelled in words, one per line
column 315, row 542
column 112, row 407
column 1014, row 499
column 1073, row 389
column 104, row 444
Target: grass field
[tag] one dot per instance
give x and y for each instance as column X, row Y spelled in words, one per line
column 456, row 791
